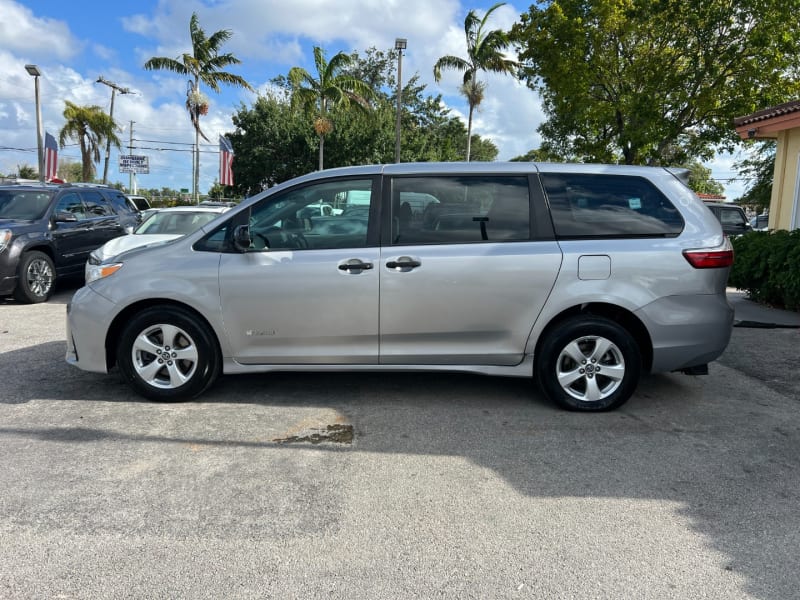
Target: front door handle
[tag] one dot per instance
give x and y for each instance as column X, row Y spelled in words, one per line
column 355, row 266
column 404, row 263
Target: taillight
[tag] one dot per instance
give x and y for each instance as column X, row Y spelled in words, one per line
column 711, row 258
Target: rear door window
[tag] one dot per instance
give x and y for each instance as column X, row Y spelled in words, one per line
column 120, row 204
column 459, row 209
column 732, row 216
column 592, row 206
column 96, row 205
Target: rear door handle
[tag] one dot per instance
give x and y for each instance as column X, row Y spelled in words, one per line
column 404, row 263
column 355, row 266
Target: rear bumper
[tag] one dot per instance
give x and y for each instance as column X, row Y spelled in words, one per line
column 687, row 331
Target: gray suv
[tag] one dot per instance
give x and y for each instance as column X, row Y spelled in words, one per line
column 582, row 277
column 47, row 231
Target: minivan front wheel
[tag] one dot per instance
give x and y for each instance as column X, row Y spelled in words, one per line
column 589, row 363
column 36, row 277
column 167, row 354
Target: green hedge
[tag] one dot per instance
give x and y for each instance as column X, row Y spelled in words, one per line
column 767, row 266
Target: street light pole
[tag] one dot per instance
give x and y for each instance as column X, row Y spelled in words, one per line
column 34, row 71
column 400, row 44
column 114, row 89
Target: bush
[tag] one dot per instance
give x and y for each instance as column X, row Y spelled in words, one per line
column 767, row 267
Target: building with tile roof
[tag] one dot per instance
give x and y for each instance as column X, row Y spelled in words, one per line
column 781, row 123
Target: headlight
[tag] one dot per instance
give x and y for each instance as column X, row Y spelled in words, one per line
column 95, row 272
column 5, row 238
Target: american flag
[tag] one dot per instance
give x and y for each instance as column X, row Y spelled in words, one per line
column 225, row 161
column 50, row 157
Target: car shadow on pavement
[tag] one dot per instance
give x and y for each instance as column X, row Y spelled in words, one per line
column 703, row 445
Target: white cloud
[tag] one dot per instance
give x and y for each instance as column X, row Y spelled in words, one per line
column 35, row 38
column 269, row 37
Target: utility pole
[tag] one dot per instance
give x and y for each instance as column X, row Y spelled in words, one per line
column 114, row 89
column 400, row 44
column 130, row 151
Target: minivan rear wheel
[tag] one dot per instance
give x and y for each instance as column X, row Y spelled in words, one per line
column 588, row 363
column 167, row 354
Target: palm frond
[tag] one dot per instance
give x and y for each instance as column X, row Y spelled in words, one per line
column 218, row 39
column 214, row 78
column 163, row 63
column 455, row 63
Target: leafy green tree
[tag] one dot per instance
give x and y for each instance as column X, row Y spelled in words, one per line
column 537, row 155
column 204, row 64
column 272, row 143
column 91, row 128
column 759, row 168
column 331, row 88
column 484, row 53
column 700, row 179
column 27, row 172
column 655, row 82
column 70, row 171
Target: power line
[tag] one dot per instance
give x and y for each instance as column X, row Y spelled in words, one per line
column 176, row 143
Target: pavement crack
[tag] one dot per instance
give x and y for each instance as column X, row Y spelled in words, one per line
column 337, row 434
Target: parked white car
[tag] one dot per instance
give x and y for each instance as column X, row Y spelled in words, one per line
column 161, row 226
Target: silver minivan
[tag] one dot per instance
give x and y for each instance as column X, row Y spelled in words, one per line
column 581, row 277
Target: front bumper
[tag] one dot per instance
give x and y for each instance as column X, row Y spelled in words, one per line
column 88, row 318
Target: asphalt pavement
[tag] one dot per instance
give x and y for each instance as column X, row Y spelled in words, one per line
column 752, row 314
column 445, row 486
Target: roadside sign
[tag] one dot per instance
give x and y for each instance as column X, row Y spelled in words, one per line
column 134, row 163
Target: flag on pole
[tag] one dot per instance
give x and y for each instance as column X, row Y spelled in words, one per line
column 225, row 161
column 50, row 157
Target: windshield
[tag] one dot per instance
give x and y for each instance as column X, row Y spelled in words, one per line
column 24, row 205
column 175, row 223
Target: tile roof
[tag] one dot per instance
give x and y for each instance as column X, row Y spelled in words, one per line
column 768, row 113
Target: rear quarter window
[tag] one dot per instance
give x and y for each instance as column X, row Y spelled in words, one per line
column 591, row 206
column 120, row 204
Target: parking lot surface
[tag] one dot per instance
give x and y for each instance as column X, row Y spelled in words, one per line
column 395, row 485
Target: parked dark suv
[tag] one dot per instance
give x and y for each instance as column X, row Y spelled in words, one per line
column 731, row 217
column 47, row 231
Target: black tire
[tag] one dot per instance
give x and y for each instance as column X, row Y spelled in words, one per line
column 188, row 351
column 588, row 363
column 36, row 278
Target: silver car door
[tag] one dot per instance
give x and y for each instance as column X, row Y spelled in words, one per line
column 306, row 291
column 462, row 282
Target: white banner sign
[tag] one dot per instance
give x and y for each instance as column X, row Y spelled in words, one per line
column 133, row 163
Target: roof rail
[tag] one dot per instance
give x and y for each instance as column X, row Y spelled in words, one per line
column 84, row 184
column 29, row 184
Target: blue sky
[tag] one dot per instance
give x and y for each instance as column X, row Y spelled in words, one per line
column 74, row 43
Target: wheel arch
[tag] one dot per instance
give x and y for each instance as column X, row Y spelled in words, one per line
column 618, row 314
column 40, row 247
column 124, row 316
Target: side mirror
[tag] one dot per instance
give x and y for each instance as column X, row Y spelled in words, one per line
column 65, row 217
column 241, row 238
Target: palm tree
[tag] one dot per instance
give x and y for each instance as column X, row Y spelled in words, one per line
column 90, row 127
column 331, row 89
column 204, row 64
column 484, row 53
